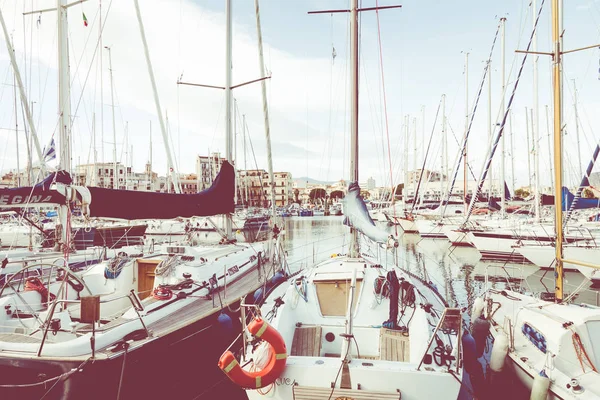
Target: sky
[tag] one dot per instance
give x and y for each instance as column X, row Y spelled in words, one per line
column 410, row 57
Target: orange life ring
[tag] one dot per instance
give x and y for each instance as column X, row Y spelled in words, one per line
column 275, row 366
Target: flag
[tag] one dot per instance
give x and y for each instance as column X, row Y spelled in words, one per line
column 50, row 152
column 85, row 23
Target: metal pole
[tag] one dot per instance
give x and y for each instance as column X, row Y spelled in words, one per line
column 17, row 132
column 228, row 44
column 22, row 93
column 354, row 252
column 112, row 101
column 157, row 101
column 444, row 166
column 535, row 120
column 549, row 147
column 490, row 131
column 465, row 162
column 263, row 85
column 502, row 110
column 528, row 149
column 577, row 129
column 557, row 96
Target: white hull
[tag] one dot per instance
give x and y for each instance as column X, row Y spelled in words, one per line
column 544, row 256
column 544, row 323
column 407, row 225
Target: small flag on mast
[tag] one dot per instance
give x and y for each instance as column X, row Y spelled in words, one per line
column 85, row 23
column 50, row 152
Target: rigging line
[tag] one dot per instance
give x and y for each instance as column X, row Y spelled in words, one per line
column 504, row 118
column 387, row 128
column 458, row 143
column 464, row 144
column 425, row 159
column 93, row 56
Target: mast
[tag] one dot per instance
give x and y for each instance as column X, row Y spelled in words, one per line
column 557, row 96
column 444, row 166
column 263, row 85
column 235, row 167
column 18, row 180
column 354, row 252
column 577, row 128
column 512, row 151
column 535, row 120
column 549, row 147
column 528, row 148
column 101, row 86
column 163, row 128
column 465, row 163
column 245, row 163
column 22, row 93
column 228, row 44
column 502, row 110
column 64, row 101
column 490, row 131
column 112, row 102
column 415, row 179
column 406, row 144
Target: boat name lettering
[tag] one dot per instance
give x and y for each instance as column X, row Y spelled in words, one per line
column 233, row 270
column 285, row 381
column 8, row 199
column 344, row 398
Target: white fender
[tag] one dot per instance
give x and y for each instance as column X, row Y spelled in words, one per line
column 477, row 308
column 499, row 352
column 541, row 385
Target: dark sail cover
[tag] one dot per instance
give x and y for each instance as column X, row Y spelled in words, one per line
column 27, row 196
column 130, row 204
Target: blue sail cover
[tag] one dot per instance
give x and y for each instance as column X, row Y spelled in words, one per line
column 357, row 215
column 580, row 204
column 130, row 204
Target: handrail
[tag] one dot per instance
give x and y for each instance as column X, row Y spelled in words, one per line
column 93, row 338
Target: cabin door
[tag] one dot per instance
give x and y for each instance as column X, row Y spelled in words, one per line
column 146, row 277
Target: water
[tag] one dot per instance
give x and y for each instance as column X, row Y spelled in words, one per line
column 458, row 273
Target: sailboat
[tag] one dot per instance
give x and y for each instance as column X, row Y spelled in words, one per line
column 553, row 345
column 353, row 326
column 120, row 327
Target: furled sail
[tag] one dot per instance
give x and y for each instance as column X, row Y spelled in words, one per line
column 40, row 194
column 130, row 204
column 357, row 216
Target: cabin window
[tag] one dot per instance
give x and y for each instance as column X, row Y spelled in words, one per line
column 535, row 337
column 333, row 297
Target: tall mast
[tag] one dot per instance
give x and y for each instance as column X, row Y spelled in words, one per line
column 406, row 144
column 444, row 166
column 528, row 148
column 490, row 131
column 549, row 147
column 512, row 151
column 64, row 101
column 112, row 105
column 263, row 85
column 465, row 162
column 557, row 96
column 101, row 86
column 502, row 110
column 18, row 175
column 577, row 128
column 228, row 44
column 415, row 178
column 235, row 166
column 22, row 93
column 163, row 128
column 535, row 120
column 354, row 116
column 245, row 160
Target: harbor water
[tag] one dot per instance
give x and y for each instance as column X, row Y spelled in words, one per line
column 458, row 273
